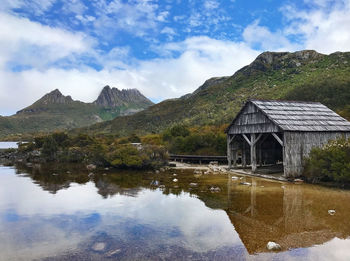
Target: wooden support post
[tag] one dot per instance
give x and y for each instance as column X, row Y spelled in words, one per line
column 260, row 155
column 234, row 157
column 253, row 151
column 229, row 151
column 244, row 155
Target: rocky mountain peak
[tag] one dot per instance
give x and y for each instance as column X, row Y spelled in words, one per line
column 113, row 97
column 55, row 97
column 277, row 60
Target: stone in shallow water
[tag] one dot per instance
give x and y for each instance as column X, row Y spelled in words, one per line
column 113, row 252
column 273, row 246
column 215, row 189
column 99, row 246
column 331, row 212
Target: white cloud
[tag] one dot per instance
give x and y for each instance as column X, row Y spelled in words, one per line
column 264, row 39
column 162, row 78
column 211, row 4
column 138, row 17
column 324, row 28
column 168, row 30
column 37, row 7
column 30, row 43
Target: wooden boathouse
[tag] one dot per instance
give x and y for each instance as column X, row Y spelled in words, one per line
column 268, row 132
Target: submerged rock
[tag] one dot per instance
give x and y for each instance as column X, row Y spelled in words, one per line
column 98, row 246
column 272, row 246
column 234, row 177
column 113, row 252
column 91, row 167
column 215, row 189
column 174, row 180
column 193, row 184
column 245, row 183
column 197, row 171
column 298, row 180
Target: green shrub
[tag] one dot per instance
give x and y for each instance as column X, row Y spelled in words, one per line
column 26, row 147
column 50, row 148
column 128, row 156
column 179, row 130
column 61, row 138
column 331, row 162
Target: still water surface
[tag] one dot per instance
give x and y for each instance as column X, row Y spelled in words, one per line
column 60, row 213
column 8, row 145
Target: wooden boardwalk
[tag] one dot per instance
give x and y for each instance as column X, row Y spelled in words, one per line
column 198, row 158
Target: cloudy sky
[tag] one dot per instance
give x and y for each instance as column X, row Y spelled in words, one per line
column 165, row 48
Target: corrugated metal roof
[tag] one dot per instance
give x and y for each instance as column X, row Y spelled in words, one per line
column 302, row 116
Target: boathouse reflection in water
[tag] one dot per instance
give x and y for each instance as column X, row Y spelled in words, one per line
column 293, row 215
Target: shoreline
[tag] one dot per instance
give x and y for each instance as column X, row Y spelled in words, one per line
column 223, row 169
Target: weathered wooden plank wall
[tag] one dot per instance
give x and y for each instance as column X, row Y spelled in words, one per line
column 251, row 120
column 299, row 144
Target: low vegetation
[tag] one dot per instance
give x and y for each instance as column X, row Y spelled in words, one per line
column 104, row 151
column 206, row 140
column 329, row 163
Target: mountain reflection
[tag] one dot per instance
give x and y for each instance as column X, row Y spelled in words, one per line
column 295, row 216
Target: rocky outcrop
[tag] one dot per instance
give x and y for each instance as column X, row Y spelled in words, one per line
column 113, row 97
column 55, row 97
column 278, row 60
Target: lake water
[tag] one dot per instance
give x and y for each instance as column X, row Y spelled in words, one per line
column 60, row 213
column 8, row 145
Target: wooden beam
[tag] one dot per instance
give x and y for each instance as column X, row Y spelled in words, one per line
column 231, row 139
column 277, row 138
column 257, row 139
column 246, row 138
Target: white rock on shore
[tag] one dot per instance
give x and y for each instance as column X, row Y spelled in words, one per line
column 272, row 246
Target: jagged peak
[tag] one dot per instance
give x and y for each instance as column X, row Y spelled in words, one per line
column 113, row 97
column 55, row 96
column 55, row 91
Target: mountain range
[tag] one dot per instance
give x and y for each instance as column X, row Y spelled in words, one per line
column 54, row 111
column 304, row 75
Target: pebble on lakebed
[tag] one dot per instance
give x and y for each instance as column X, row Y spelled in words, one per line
column 331, row 212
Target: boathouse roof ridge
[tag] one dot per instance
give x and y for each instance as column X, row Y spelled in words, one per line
column 302, row 116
